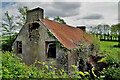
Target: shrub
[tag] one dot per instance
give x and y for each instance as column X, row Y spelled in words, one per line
column 111, row 57
column 13, row 68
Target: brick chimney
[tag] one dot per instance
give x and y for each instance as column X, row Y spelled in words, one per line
column 35, row 14
column 82, row 28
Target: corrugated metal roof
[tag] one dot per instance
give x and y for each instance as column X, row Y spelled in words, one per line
column 67, row 35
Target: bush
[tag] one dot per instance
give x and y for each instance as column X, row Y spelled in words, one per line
column 111, row 58
column 7, row 42
column 112, row 72
column 13, row 68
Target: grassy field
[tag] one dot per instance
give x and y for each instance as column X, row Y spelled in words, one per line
column 108, row 45
column 112, row 53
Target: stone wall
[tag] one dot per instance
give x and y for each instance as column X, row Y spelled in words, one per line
column 35, row 49
column 35, row 14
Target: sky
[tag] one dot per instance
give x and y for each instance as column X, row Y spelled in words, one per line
column 74, row 12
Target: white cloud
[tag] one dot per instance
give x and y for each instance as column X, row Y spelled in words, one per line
column 108, row 10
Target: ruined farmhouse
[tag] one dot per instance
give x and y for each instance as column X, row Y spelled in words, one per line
column 49, row 41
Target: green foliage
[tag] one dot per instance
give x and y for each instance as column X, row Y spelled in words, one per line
column 50, row 34
column 96, row 44
column 22, row 17
column 8, row 32
column 46, row 17
column 112, row 58
column 58, row 19
column 112, row 72
column 106, row 32
column 58, row 43
column 74, row 67
column 8, row 27
column 107, row 45
column 111, row 54
column 13, row 68
column 7, row 43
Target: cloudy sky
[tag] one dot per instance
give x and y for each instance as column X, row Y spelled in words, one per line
column 74, row 13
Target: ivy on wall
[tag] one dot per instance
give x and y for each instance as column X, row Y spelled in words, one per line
column 58, row 43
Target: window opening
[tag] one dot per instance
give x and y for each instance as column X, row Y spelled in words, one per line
column 19, row 46
column 50, row 50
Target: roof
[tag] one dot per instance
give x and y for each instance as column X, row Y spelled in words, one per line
column 67, row 35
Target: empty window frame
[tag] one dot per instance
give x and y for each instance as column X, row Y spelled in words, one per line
column 19, row 47
column 50, row 49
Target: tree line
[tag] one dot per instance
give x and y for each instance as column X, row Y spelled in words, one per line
column 106, row 32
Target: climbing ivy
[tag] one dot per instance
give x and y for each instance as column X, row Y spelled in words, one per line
column 58, row 43
column 50, row 34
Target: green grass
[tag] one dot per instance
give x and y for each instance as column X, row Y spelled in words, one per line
column 109, row 51
column 108, row 45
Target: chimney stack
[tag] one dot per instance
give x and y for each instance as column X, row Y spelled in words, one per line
column 82, row 28
column 35, row 14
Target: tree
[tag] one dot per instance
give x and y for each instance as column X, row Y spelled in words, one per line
column 115, row 29
column 58, row 19
column 106, row 31
column 100, row 30
column 119, row 34
column 10, row 27
column 8, row 31
column 22, row 17
column 46, row 17
column 90, row 30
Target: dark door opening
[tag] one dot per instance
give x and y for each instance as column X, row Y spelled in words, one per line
column 50, row 50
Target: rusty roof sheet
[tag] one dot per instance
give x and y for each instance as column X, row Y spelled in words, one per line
column 67, row 35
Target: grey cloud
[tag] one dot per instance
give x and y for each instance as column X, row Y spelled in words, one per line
column 63, row 9
column 93, row 16
column 53, row 9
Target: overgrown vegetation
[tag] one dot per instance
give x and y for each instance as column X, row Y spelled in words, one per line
column 60, row 45
column 111, row 58
column 12, row 67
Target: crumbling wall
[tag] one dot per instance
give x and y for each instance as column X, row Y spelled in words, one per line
column 33, row 46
